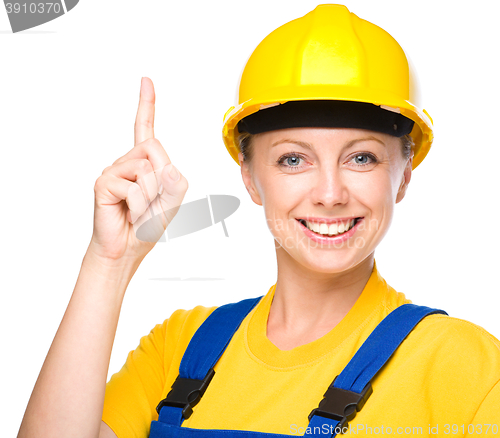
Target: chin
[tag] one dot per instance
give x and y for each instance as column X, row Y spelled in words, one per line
column 333, row 263
column 327, row 260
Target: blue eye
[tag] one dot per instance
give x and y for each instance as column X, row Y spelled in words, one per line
column 292, row 161
column 363, row 159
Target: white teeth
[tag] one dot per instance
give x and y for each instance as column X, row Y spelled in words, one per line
column 335, row 229
column 323, row 229
column 330, row 230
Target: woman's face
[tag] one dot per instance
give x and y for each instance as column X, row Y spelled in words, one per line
column 344, row 181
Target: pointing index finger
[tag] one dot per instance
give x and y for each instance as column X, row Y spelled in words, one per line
column 144, row 121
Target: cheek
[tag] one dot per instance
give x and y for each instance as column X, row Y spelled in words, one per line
column 280, row 195
column 375, row 191
column 281, row 192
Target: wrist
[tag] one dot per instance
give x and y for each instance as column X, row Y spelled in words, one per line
column 110, row 270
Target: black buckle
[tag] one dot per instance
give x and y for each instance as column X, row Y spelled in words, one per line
column 186, row 393
column 341, row 405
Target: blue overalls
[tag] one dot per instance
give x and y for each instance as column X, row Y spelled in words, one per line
column 344, row 397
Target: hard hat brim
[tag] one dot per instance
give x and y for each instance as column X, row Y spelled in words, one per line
column 421, row 133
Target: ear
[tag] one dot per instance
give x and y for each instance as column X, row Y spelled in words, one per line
column 405, row 180
column 246, row 174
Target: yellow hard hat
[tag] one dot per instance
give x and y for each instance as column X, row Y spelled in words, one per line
column 329, row 54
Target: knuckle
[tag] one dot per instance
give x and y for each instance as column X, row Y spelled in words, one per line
column 98, row 184
column 143, row 167
column 144, row 164
column 152, row 143
column 106, row 169
column 154, row 147
column 182, row 184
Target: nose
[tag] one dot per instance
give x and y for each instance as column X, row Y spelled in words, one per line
column 330, row 188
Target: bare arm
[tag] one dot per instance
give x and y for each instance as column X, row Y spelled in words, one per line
column 68, row 397
column 106, row 431
column 135, row 193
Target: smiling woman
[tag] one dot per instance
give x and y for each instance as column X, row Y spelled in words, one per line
column 327, row 132
column 337, row 176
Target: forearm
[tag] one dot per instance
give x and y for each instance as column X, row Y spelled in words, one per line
column 68, row 397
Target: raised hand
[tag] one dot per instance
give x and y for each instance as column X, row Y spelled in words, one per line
column 139, row 194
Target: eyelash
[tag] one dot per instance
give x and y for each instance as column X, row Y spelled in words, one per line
column 365, row 154
column 294, row 155
column 284, row 157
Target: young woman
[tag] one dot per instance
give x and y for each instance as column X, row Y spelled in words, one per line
column 327, row 134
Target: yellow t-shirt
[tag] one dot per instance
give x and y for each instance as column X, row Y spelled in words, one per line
column 444, row 379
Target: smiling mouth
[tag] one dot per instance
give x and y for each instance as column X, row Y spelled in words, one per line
column 334, row 229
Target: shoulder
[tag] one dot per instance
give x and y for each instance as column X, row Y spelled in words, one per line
column 446, row 332
column 182, row 323
column 167, row 341
column 457, row 348
column 446, row 368
column 457, row 333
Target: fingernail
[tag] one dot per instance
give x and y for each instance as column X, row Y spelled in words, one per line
column 160, row 189
column 174, row 174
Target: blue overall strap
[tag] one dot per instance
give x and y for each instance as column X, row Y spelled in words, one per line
column 351, row 388
column 202, row 353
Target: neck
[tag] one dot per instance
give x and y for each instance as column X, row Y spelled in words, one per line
column 308, row 304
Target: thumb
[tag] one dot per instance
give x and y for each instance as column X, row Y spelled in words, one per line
column 169, row 180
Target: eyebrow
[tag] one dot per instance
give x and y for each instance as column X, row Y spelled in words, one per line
column 309, row 146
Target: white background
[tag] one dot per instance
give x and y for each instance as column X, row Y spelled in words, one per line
column 68, row 97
